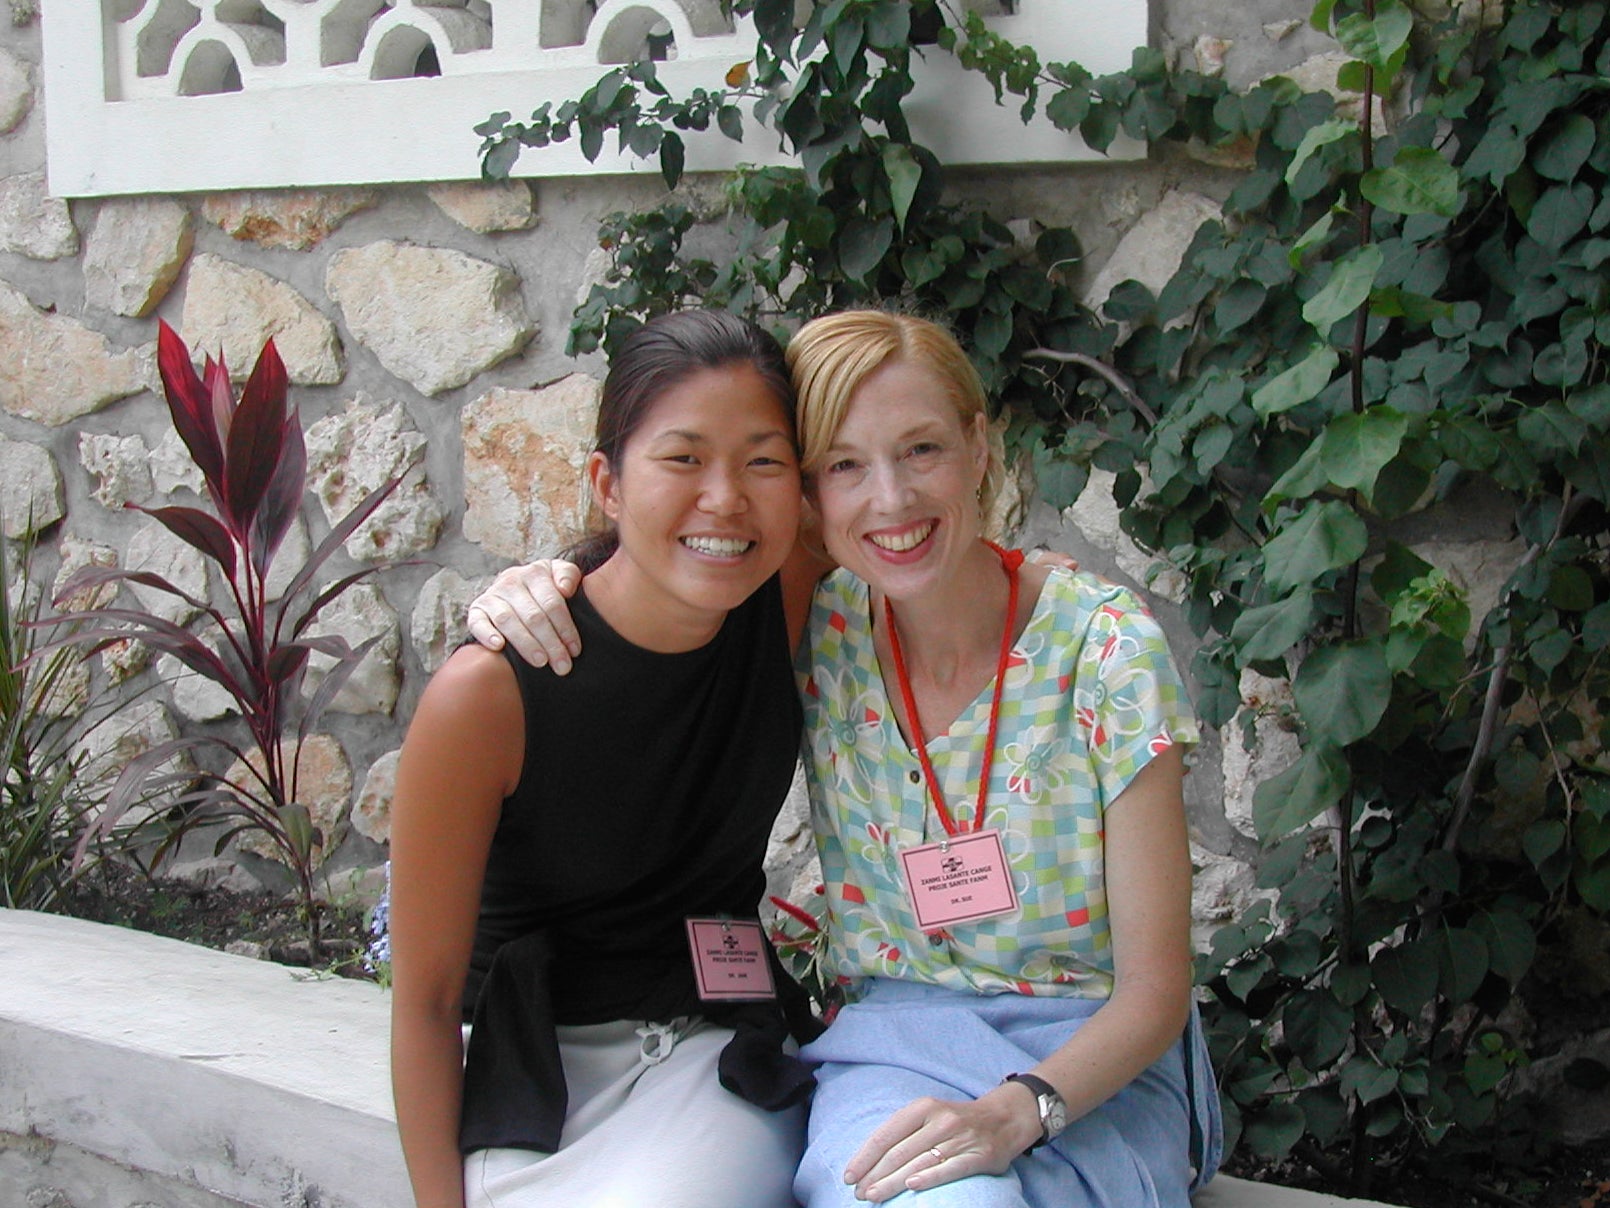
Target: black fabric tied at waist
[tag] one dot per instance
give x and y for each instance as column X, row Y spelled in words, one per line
column 515, row 1095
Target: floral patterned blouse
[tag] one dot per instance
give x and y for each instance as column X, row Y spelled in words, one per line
column 1091, row 696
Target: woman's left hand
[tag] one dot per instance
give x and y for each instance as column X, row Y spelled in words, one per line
column 934, row 1141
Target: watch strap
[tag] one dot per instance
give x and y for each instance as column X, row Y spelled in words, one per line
column 1042, row 1090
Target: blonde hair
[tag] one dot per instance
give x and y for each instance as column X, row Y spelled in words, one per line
column 831, row 356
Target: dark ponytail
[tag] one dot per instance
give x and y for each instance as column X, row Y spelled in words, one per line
column 657, row 357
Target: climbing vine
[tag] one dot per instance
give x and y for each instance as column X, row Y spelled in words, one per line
column 1402, row 314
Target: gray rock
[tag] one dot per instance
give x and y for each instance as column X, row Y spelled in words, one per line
column 437, row 625
column 505, row 205
column 32, row 222
column 234, row 308
column 359, row 614
column 172, row 467
column 523, row 456
column 355, row 452
column 16, row 91
column 30, row 488
column 297, row 219
column 55, row 369
column 135, row 253
column 156, row 550
column 1151, row 251
column 435, row 317
column 121, row 466
column 371, row 814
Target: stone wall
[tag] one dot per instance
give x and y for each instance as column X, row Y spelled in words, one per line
column 424, row 325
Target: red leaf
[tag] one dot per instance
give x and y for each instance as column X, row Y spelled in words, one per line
column 198, row 529
column 215, row 377
column 283, row 499
column 189, row 403
column 286, row 661
column 256, row 437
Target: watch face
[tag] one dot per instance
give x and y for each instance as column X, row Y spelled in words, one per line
column 1053, row 1113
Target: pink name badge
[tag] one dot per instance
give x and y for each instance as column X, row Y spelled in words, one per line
column 959, row 881
column 729, row 960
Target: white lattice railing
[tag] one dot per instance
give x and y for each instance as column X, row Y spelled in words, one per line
column 161, row 96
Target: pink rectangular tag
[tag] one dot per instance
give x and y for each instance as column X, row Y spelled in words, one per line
column 960, row 880
column 729, row 960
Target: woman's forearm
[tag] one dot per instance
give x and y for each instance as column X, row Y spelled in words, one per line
column 1130, row 1032
column 427, row 1075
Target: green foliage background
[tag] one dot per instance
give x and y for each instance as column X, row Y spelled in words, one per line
column 1393, row 315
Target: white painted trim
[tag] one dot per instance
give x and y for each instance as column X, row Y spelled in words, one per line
column 300, row 122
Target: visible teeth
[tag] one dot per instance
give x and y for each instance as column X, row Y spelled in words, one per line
column 900, row 543
column 717, row 547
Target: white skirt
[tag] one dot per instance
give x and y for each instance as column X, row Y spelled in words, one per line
column 649, row 1126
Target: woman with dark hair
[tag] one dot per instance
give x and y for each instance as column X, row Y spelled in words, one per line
column 576, row 862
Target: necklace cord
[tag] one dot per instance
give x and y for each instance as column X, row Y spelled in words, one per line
column 1011, row 560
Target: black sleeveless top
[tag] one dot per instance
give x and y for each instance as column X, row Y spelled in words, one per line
column 648, row 792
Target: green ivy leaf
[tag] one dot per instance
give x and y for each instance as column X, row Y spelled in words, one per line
column 1511, row 943
column 848, row 34
column 1356, row 447
column 1295, row 797
column 1368, row 1080
column 1322, row 537
column 672, row 156
column 1306, row 477
column 1343, row 690
column 1376, row 41
column 888, row 25
column 1561, row 155
column 1596, row 627
column 862, row 244
column 1570, row 588
column 1350, row 984
column 1238, row 304
column 1592, row 406
column 1268, row 631
column 1317, row 1027
column 1463, row 963
column 1347, row 289
column 1560, row 214
column 1418, row 181
column 1297, row 385
column 1552, row 429
column 1273, row 1131
column 1322, row 135
column 1057, row 480
column 1406, row 976
column 1397, row 570
column 905, row 174
column 992, row 333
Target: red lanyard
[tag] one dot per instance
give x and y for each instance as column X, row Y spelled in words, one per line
column 1010, row 561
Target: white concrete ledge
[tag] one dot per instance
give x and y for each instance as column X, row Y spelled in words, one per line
column 238, row 1077
column 138, row 1070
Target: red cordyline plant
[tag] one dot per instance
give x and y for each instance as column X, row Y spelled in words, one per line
column 253, row 458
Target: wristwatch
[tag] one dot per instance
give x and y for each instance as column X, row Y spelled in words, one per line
column 1053, row 1111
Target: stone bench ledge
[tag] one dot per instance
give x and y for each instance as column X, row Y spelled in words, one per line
column 137, row 1069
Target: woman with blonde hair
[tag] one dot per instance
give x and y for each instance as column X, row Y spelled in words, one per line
column 994, row 752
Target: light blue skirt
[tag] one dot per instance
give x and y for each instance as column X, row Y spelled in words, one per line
column 1149, row 1146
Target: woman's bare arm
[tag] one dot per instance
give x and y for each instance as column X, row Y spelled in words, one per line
column 1148, row 877
column 462, row 756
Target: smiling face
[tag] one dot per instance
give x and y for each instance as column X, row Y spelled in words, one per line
column 705, row 498
column 897, row 486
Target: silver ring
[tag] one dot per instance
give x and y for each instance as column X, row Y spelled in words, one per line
column 938, row 1157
